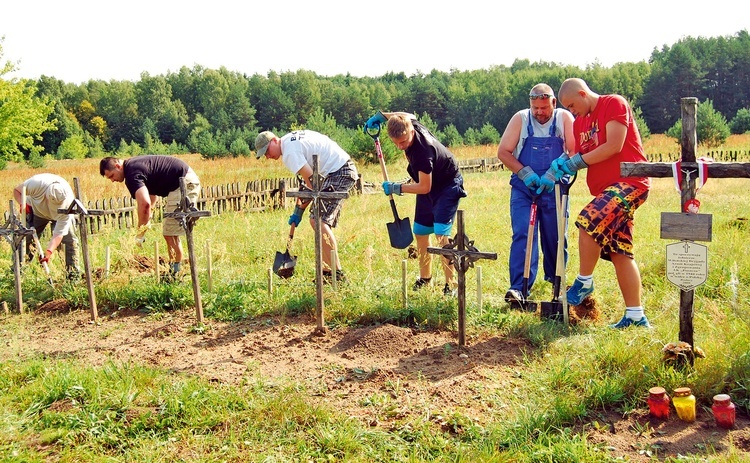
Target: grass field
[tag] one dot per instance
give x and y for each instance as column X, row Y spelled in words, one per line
column 569, row 378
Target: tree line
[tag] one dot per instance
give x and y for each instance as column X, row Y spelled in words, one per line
column 218, row 112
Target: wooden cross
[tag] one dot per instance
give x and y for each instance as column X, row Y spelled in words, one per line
column 187, row 214
column 77, row 208
column 315, row 196
column 686, row 226
column 16, row 233
column 462, row 254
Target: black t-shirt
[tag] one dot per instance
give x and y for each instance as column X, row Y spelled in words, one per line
column 426, row 154
column 160, row 174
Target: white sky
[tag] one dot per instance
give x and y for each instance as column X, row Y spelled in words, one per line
column 79, row 40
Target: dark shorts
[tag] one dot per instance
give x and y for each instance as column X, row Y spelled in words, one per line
column 608, row 218
column 342, row 180
column 434, row 213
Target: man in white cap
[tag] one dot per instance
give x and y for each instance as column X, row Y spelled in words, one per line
column 296, row 150
column 45, row 194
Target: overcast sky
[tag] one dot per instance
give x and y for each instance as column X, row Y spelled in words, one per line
column 79, row 40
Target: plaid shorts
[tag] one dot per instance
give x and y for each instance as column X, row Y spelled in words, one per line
column 608, row 218
column 342, row 180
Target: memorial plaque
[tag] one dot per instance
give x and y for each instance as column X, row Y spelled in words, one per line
column 687, row 264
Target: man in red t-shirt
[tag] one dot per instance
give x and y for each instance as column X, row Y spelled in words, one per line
column 606, row 134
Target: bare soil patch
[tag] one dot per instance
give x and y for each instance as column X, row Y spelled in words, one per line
column 424, row 370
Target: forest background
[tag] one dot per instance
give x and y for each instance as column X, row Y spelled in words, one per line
column 218, row 112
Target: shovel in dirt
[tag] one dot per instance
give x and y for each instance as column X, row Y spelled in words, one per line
column 283, row 263
column 528, row 305
column 399, row 231
column 557, row 309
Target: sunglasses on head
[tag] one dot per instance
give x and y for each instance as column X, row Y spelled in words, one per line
column 540, row 96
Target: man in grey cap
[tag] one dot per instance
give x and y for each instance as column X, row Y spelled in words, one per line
column 45, row 194
column 296, row 150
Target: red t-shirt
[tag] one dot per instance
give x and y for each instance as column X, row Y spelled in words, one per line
column 591, row 131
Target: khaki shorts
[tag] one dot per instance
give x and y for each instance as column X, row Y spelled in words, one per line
column 170, row 225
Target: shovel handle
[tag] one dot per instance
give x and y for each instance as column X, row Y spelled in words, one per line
column 566, row 182
column 379, row 150
column 291, row 235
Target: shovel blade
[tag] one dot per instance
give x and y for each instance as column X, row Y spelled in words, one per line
column 283, row 264
column 400, row 234
column 553, row 311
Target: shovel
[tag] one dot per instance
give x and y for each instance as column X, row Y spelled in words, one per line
column 399, row 231
column 283, row 263
column 557, row 309
column 528, row 305
column 45, row 265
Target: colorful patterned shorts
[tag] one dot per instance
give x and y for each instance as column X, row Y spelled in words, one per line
column 608, row 218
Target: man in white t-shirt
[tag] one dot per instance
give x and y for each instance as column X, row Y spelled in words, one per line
column 45, row 194
column 296, row 150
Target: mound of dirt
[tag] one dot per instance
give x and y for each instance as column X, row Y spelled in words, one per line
column 55, row 305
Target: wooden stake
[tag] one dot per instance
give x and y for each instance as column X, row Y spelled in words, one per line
column 270, row 282
column 107, row 257
column 404, row 284
column 156, row 261
column 209, row 265
column 334, row 266
column 479, row 288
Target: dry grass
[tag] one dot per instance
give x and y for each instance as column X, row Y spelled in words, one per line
column 244, row 169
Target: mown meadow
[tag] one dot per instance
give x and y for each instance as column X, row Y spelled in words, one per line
column 574, row 371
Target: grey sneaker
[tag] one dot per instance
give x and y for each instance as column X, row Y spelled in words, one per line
column 577, row 292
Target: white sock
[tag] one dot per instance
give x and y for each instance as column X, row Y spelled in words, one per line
column 587, row 281
column 634, row 313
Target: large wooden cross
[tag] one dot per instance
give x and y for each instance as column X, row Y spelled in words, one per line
column 315, row 196
column 684, row 226
column 186, row 215
column 77, row 208
column 462, row 254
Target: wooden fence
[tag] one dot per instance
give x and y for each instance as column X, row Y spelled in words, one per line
column 269, row 194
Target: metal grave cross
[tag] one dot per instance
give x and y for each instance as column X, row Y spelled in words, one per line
column 77, row 208
column 186, row 215
column 462, row 254
column 687, row 226
column 315, row 195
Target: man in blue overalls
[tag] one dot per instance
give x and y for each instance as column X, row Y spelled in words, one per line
column 533, row 138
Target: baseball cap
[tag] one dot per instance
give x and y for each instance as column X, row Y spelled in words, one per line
column 261, row 143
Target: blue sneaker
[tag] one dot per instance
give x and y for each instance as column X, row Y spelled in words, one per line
column 577, row 292
column 626, row 322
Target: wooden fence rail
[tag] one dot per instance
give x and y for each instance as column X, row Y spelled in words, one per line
column 270, row 194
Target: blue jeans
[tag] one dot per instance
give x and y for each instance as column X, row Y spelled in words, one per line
column 545, row 231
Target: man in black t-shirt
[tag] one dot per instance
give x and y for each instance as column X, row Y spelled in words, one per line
column 435, row 179
column 147, row 177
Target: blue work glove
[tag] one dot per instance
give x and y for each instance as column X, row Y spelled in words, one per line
column 547, row 182
column 570, row 166
column 392, row 188
column 374, row 122
column 296, row 216
column 528, row 177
